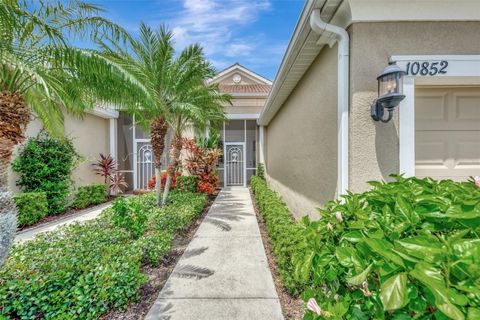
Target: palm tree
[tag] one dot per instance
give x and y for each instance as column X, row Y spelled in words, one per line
column 168, row 83
column 193, row 103
column 147, row 60
column 41, row 72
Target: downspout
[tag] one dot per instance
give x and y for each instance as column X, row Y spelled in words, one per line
column 340, row 36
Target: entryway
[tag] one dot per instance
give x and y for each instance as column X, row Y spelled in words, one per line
column 235, row 164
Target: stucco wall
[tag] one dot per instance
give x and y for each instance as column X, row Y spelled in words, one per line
column 301, row 143
column 374, row 149
column 90, row 137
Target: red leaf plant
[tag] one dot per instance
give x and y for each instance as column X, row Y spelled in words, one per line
column 202, row 163
column 152, row 182
column 105, row 167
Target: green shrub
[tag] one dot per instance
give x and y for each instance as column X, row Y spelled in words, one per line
column 45, row 165
column 260, row 171
column 187, row 183
column 32, row 207
column 284, row 233
column 89, row 195
column 79, row 271
column 409, row 249
column 84, row 270
column 130, row 214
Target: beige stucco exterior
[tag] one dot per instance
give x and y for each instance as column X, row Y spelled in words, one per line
column 90, row 137
column 374, row 147
column 301, row 143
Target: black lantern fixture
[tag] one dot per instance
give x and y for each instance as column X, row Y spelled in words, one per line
column 390, row 93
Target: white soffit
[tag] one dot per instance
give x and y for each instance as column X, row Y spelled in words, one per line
column 415, row 10
column 300, row 53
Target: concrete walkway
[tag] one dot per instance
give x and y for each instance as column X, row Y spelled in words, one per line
column 83, row 215
column 224, row 272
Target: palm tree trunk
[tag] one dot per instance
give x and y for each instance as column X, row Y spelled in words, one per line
column 14, row 117
column 158, row 131
column 175, row 150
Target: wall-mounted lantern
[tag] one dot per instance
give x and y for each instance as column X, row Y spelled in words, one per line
column 390, row 93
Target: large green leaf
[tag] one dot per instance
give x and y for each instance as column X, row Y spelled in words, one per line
column 384, row 249
column 428, row 248
column 393, row 292
column 432, row 278
column 361, row 277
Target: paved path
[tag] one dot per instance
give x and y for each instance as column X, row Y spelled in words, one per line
column 223, row 273
column 84, row 215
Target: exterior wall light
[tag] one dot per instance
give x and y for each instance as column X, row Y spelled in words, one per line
column 390, row 93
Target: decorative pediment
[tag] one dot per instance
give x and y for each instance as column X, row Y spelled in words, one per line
column 237, row 79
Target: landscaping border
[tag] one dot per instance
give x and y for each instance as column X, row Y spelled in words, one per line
column 158, row 275
column 292, row 306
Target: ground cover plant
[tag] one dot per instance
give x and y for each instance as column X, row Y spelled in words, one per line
column 408, row 249
column 84, row 270
column 45, row 165
column 32, row 207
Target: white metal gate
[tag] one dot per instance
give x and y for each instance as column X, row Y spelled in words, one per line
column 235, row 164
column 144, row 166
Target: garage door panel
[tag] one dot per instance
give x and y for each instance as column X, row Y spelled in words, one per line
column 447, row 136
column 466, row 147
column 434, row 110
column 431, row 151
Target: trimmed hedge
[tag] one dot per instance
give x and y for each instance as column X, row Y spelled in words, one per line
column 32, row 207
column 89, row 195
column 284, row 233
column 84, row 270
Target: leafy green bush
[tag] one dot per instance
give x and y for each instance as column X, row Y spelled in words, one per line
column 83, row 270
column 130, row 214
column 260, row 171
column 409, row 249
column 284, row 233
column 32, row 207
column 89, row 195
column 187, row 183
column 45, row 165
column 80, row 271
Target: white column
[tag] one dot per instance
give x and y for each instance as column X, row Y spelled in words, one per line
column 261, row 144
column 407, row 129
column 113, row 138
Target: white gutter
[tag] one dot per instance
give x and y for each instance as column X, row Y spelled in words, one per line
column 340, row 36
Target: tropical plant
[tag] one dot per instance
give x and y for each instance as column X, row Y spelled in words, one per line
column 193, row 103
column 148, row 61
column 151, row 184
column 202, row 164
column 405, row 249
column 45, row 165
column 117, row 182
column 41, row 72
column 211, row 141
column 105, row 167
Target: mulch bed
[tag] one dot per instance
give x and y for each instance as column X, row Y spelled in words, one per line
column 65, row 214
column 157, row 276
column 292, row 306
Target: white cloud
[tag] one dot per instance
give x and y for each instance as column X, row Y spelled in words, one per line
column 217, row 26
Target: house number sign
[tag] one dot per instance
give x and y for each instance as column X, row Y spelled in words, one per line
column 427, row 68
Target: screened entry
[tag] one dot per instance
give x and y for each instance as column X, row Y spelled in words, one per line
column 239, row 160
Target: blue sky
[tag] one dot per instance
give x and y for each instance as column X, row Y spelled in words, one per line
column 254, row 33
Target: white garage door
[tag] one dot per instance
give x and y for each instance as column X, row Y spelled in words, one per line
column 447, row 133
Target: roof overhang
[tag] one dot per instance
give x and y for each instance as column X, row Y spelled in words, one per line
column 305, row 45
column 302, row 49
column 105, row 113
column 219, row 76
